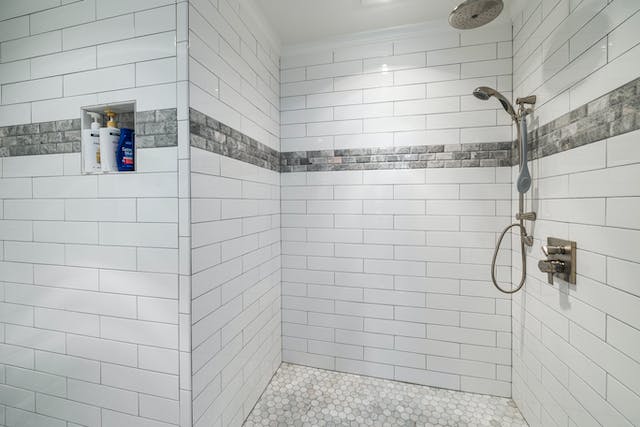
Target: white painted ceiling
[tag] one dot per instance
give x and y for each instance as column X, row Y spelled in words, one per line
column 305, row 21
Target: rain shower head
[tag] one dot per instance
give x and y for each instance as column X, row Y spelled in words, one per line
column 484, row 93
column 475, row 13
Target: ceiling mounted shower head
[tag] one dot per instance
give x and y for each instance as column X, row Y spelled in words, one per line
column 475, row 13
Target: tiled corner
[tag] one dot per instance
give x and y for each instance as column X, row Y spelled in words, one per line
column 211, row 135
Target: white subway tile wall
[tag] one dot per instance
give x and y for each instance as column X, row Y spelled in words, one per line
column 92, row 332
column 569, row 53
column 235, row 215
column 87, row 325
column 234, row 69
column 236, row 313
column 56, row 58
column 386, row 273
column 575, row 358
column 113, row 286
column 403, row 92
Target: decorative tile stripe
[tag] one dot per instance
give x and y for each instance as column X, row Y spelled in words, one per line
column 62, row 136
column 211, row 135
column 409, row 157
column 612, row 114
column 155, row 128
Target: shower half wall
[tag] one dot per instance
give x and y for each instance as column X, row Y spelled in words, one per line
column 234, row 192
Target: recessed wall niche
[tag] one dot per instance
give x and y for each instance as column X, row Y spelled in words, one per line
column 108, row 138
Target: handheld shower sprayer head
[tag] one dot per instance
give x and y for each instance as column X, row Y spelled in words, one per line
column 484, row 93
column 481, row 93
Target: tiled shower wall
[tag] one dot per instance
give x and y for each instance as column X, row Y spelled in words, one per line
column 387, row 237
column 413, row 89
column 234, row 68
column 236, row 339
column 575, row 357
column 57, row 57
column 90, row 292
column 235, row 210
column 89, row 263
column 385, row 273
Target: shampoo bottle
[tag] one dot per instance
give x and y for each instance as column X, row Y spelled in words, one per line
column 91, row 145
column 125, row 154
column 109, row 137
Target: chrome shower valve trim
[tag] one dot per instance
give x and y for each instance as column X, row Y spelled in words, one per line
column 561, row 260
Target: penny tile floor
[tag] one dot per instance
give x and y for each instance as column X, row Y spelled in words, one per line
column 303, row 396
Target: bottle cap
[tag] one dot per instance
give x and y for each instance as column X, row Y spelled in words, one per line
column 95, row 125
column 111, row 115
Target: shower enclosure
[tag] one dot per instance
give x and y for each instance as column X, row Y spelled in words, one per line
column 318, row 212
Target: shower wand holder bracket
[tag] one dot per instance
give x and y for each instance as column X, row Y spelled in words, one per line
column 526, row 216
column 561, row 260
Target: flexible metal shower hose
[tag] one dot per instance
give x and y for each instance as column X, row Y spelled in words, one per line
column 523, row 233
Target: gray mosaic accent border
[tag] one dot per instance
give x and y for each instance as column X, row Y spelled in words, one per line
column 62, row 136
column 409, row 157
column 155, row 128
column 211, row 135
column 612, row 114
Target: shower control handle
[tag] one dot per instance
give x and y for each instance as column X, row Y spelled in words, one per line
column 560, row 260
column 555, row 250
column 553, row 266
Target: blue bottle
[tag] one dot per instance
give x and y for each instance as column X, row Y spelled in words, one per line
column 125, row 153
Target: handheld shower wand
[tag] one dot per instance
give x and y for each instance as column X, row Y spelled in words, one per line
column 523, row 183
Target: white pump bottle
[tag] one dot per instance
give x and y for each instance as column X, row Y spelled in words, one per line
column 91, row 145
column 109, row 137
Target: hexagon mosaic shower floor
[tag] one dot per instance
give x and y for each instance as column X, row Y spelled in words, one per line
column 303, row 396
